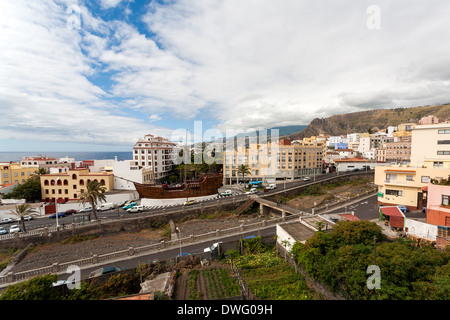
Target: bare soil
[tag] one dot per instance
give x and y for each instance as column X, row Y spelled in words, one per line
column 341, row 192
column 46, row 255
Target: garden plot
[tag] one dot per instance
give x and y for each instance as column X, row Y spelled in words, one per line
column 209, row 283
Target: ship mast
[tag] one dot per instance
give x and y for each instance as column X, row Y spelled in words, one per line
column 185, row 159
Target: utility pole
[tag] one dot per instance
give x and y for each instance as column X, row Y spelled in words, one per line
column 375, row 250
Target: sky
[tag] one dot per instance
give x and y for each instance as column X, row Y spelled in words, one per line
column 98, row 75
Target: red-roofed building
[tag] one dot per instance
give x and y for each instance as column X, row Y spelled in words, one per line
column 393, row 217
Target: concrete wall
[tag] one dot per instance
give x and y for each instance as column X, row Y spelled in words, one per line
column 421, row 229
column 104, row 228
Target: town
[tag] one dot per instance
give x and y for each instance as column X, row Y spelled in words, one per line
column 407, row 182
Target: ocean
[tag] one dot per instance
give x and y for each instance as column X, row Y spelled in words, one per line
column 77, row 155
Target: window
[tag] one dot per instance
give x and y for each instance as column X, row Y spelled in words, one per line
column 440, row 153
column 446, row 131
column 398, row 193
column 438, row 164
column 443, row 141
column 425, row 179
column 409, row 178
column 391, row 176
column 445, row 200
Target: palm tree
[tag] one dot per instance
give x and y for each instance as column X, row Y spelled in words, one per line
column 243, row 169
column 94, row 192
column 21, row 211
column 37, row 174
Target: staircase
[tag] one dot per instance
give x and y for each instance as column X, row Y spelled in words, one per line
column 244, row 206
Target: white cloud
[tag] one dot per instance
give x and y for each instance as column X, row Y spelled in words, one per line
column 266, row 63
column 239, row 64
column 108, row 4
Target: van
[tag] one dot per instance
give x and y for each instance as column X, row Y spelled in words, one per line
column 105, row 206
column 271, row 186
column 136, row 209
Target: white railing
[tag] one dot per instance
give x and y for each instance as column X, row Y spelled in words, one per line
column 96, row 259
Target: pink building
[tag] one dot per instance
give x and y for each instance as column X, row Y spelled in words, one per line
column 429, row 120
column 438, row 204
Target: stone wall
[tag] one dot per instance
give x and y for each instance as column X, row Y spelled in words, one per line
column 127, row 222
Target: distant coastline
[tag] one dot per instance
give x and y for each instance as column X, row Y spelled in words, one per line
column 77, row 155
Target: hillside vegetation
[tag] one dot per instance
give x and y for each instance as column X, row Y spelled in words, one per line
column 370, row 120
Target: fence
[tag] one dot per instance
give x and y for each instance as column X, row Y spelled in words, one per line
column 97, row 259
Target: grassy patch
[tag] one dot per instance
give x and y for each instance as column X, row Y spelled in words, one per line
column 78, row 238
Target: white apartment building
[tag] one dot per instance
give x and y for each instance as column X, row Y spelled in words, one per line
column 365, row 144
column 430, row 145
column 334, row 140
column 156, row 153
column 125, row 172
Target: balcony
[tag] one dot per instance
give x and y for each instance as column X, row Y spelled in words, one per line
column 399, row 182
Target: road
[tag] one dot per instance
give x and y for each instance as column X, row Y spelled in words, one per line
column 198, row 247
column 42, row 222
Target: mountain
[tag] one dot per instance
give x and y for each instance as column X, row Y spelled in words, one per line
column 282, row 131
column 370, row 120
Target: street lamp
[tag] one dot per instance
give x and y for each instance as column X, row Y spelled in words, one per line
column 56, row 202
column 179, row 232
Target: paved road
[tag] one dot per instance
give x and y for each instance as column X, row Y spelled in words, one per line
column 42, row 222
column 133, row 262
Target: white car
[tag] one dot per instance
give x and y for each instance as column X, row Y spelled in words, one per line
column 6, row 220
column 136, row 209
column 252, row 191
column 14, row 228
column 87, row 209
column 306, row 178
column 212, row 248
column 26, row 218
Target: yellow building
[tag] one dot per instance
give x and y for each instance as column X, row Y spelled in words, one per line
column 268, row 162
column 402, row 185
column 15, row 173
column 69, row 185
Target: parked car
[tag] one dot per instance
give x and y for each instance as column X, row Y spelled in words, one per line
column 14, row 228
column 67, row 212
column 6, row 220
column 130, row 205
column 226, row 193
column 136, row 209
column 212, row 248
column 105, row 270
column 25, row 218
column 189, row 202
column 306, row 178
column 3, row 231
column 60, row 215
column 271, row 186
column 403, row 208
column 87, row 209
column 252, row 191
column 105, row 206
column 183, row 254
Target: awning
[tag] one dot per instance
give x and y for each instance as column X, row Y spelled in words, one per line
column 392, row 211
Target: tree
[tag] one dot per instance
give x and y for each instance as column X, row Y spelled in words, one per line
column 37, row 288
column 30, row 190
column 94, row 192
column 22, row 210
column 243, row 169
column 38, row 173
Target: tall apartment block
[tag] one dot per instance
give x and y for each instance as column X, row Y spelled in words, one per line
column 155, row 153
column 269, row 163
